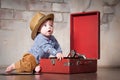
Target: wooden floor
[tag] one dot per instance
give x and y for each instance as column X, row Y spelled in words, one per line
column 101, row 74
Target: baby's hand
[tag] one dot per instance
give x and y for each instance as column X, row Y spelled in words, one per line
column 59, row 56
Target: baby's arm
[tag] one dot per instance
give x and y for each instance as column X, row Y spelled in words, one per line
column 47, row 48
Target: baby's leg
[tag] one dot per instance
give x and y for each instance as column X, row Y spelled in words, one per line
column 26, row 64
column 10, row 68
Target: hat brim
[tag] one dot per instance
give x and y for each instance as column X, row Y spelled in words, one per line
column 40, row 22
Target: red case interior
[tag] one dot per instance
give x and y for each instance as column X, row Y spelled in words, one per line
column 85, row 34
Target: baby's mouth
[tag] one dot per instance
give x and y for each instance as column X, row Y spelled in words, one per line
column 49, row 30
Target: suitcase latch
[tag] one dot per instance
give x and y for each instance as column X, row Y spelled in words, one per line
column 53, row 61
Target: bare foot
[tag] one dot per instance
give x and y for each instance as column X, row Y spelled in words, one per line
column 10, row 68
column 37, row 68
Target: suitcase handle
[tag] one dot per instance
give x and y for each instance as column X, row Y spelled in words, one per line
column 68, row 64
column 83, row 62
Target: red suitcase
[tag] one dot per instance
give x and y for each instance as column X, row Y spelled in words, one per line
column 85, row 40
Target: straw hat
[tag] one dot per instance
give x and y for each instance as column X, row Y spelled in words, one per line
column 36, row 22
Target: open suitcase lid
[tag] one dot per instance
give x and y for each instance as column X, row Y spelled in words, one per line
column 85, row 34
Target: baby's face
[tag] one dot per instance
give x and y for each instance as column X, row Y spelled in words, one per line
column 47, row 28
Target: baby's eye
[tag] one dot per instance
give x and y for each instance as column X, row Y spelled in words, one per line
column 45, row 25
column 51, row 25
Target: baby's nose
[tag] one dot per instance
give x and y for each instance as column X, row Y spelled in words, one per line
column 49, row 26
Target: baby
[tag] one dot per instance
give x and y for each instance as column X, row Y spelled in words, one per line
column 44, row 45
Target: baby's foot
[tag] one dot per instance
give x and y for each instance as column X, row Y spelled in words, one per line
column 37, row 68
column 10, row 68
